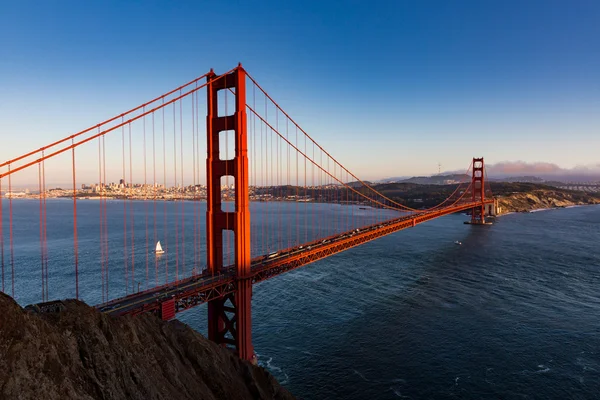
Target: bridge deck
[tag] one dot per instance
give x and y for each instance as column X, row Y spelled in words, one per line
column 199, row 289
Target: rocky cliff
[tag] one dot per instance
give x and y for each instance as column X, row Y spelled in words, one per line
column 544, row 198
column 79, row 353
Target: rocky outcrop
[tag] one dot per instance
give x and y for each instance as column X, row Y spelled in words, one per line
column 537, row 199
column 79, row 353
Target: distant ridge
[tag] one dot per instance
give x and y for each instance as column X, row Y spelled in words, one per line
column 525, row 179
column 430, row 180
column 357, row 184
column 452, row 178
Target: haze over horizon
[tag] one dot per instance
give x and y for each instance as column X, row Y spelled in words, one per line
column 388, row 88
column 515, row 169
column 544, row 170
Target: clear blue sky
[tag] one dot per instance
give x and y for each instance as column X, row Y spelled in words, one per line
column 390, row 88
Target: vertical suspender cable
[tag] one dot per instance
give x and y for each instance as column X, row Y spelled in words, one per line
column 321, row 193
column 263, row 183
column 154, row 190
column 194, row 199
column 305, row 196
column 106, row 255
column 146, row 202
column 100, row 191
column 164, row 192
column 45, row 227
column 315, row 194
column 10, row 234
column 201, row 260
column 182, row 188
column 129, row 191
column 125, row 255
column 288, row 184
column 176, row 196
column 278, row 232
column 272, row 180
column 254, row 168
column 278, row 182
column 1, row 236
column 75, row 244
column 41, row 231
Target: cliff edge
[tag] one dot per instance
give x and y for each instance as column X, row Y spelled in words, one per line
column 79, row 353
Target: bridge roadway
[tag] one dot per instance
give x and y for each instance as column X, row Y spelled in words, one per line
column 199, row 289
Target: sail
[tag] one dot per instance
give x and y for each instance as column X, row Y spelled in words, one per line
column 158, row 247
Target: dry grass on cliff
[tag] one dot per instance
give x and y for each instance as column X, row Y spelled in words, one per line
column 544, row 198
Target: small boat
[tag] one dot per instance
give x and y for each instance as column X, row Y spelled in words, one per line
column 159, row 249
column 457, row 242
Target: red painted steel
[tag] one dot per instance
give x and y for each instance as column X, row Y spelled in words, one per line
column 196, row 290
column 167, row 310
column 75, row 242
column 229, row 317
column 478, row 187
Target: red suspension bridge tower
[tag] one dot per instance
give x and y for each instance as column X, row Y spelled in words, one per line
column 229, row 317
column 478, row 185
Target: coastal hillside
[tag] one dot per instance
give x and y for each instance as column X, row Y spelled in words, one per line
column 79, row 353
column 513, row 196
column 544, row 198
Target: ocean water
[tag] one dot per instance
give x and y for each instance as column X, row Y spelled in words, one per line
column 512, row 313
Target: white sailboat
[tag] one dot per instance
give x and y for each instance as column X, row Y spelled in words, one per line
column 159, row 249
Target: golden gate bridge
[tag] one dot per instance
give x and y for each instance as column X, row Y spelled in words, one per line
column 254, row 151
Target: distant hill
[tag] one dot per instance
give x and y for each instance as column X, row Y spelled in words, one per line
column 451, row 178
column 357, row 184
column 431, row 180
column 527, row 179
column 394, row 179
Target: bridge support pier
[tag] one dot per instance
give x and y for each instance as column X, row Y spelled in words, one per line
column 229, row 317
